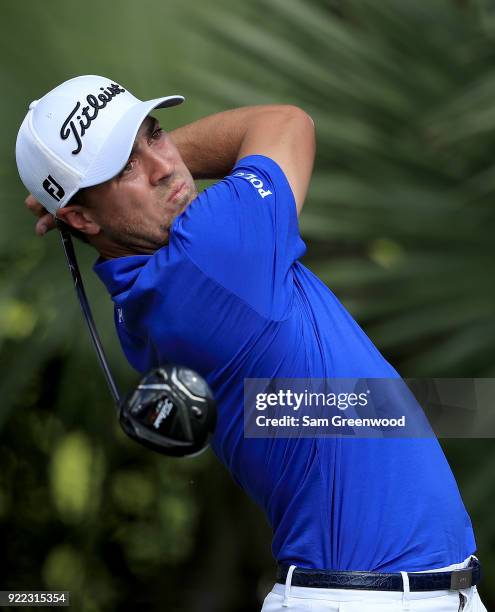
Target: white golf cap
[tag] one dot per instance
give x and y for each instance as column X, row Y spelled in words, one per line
column 77, row 135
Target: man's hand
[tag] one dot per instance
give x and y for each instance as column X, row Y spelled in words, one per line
column 46, row 221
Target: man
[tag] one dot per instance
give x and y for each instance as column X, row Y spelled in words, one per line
column 213, row 281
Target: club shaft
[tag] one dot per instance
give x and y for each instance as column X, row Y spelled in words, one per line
column 70, row 254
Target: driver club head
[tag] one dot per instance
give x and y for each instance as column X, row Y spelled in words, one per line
column 171, row 411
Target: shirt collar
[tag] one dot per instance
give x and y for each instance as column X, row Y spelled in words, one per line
column 119, row 274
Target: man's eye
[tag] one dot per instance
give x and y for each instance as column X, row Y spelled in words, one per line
column 157, row 133
column 127, row 168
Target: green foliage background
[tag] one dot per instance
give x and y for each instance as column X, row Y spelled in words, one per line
column 399, row 222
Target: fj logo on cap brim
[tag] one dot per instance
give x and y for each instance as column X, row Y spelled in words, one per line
column 55, row 189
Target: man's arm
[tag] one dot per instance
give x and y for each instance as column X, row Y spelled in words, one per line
column 211, row 146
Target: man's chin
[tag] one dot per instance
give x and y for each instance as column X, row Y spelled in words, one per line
column 188, row 198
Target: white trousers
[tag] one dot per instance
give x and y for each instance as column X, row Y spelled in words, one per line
column 288, row 598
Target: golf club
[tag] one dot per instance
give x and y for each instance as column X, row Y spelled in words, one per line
column 171, row 410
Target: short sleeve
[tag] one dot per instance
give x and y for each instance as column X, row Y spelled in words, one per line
column 243, row 233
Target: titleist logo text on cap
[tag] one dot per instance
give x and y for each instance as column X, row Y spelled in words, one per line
column 86, row 117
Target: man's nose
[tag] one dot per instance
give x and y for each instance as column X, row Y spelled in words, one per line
column 160, row 167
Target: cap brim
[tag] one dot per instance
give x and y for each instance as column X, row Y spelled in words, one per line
column 115, row 151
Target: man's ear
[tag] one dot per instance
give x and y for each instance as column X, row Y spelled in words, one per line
column 78, row 217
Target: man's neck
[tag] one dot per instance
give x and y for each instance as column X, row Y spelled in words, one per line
column 111, row 250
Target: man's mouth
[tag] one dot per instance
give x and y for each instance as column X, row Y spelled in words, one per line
column 177, row 192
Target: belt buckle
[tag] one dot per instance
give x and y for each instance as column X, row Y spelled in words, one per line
column 461, row 579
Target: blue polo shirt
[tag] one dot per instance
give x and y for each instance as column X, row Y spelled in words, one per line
column 229, row 298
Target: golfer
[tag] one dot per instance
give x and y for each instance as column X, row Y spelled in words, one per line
column 213, row 281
